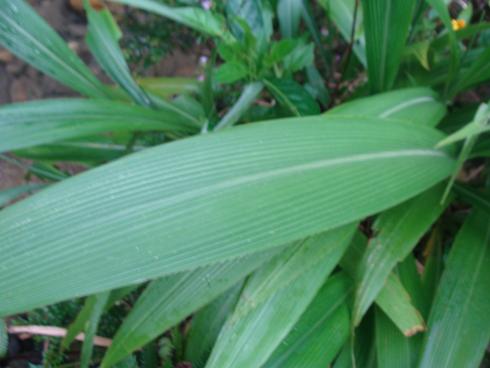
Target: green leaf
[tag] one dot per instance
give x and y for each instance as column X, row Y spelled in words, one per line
column 392, row 347
column 256, row 14
column 249, row 94
column 230, row 72
column 292, row 96
column 420, row 51
column 236, row 192
column 459, row 323
column 4, row 338
column 279, row 50
column 270, row 304
column 87, row 152
column 99, row 303
column 393, row 299
column 321, row 331
column 300, row 57
column 342, row 15
column 289, row 15
column 418, row 105
column 197, row 18
column 87, row 312
column 386, row 25
column 166, row 87
column 398, row 232
column 29, row 37
column 169, row 300
column 8, row 195
column 479, row 125
column 29, row 124
column 103, row 40
column 206, row 325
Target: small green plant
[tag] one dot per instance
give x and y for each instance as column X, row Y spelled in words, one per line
column 321, row 197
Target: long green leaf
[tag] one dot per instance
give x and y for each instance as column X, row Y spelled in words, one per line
column 4, row 338
column 87, row 311
column 393, row 299
column 169, row 300
column 29, row 124
column 99, row 303
column 292, row 96
column 479, row 125
column 289, row 15
column 419, row 105
column 320, row 332
column 398, row 231
column 249, row 94
column 392, row 347
column 193, row 17
column 386, row 24
column 28, row 36
column 207, row 199
column 459, row 323
column 88, row 152
column 206, row 325
column 256, row 14
column 102, row 39
column 270, row 306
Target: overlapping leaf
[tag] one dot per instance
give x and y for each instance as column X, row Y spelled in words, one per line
column 33, row 123
column 271, row 304
column 28, row 36
column 169, row 300
column 102, row 38
column 459, row 323
column 386, row 24
column 320, row 332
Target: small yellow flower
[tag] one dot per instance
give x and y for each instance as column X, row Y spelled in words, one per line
column 458, row 24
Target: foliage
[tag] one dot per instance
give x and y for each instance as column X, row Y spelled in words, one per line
column 320, row 198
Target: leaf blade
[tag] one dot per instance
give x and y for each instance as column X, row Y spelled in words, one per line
column 107, row 207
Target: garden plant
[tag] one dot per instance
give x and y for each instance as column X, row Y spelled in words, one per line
column 318, row 197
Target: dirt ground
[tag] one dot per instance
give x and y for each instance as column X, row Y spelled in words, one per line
column 19, row 82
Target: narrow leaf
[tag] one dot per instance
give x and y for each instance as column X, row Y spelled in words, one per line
column 199, row 19
column 169, row 300
column 393, row 299
column 386, row 24
column 321, row 331
column 392, row 347
column 289, row 15
column 29, row 37
column 247, row 98
column 258, row 325
column 398, row 231
column 292, row 96
column 103, row 40
column 4, row 338
column 100, row 301
column 206, row 325
column 29, row 124
column 459, row 323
